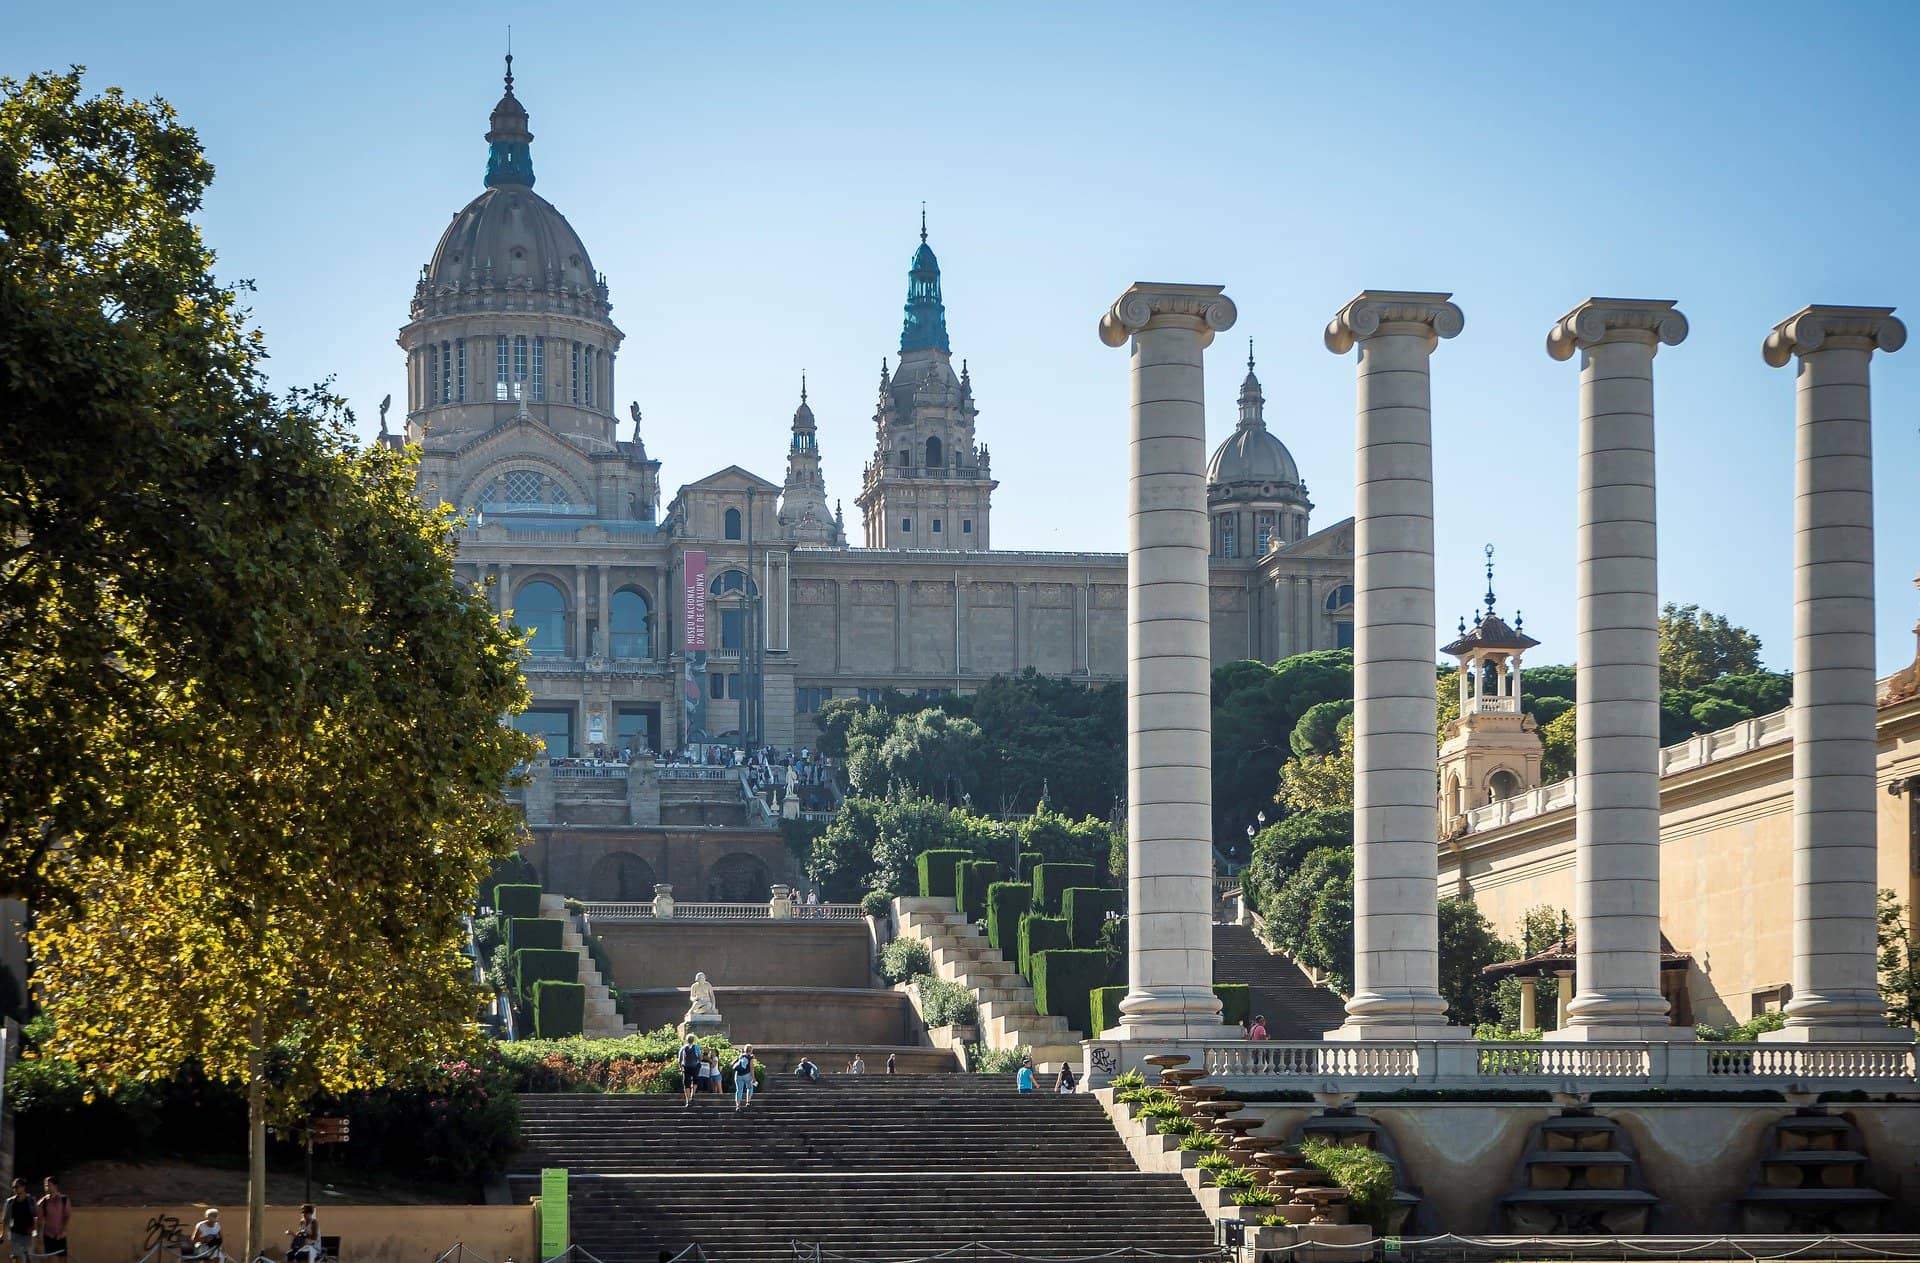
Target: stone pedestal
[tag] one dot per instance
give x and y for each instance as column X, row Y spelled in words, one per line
column 1836, row 995
column 704, row 1026
column 1617, row 799
column 643, row 791
column 1396, row 922
column 1169, row 662
column 780, row 904
column 663, row 901
column 537, row 795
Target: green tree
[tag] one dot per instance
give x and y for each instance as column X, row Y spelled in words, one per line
column 1321, row 782
column 872, row 843
column 1281, row 848
column 1255, row 709
column 1318, row 731
column 1697, row 646
column 1558, row 743
column 1468, row 944
column 1311, row 916
column 1899, row 963
column 927, row 753
column 1060, row 839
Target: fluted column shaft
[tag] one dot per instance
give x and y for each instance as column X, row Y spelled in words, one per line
column 1836, row 994
column 1169, row 663
column 1396, row 927
column 1617, row 742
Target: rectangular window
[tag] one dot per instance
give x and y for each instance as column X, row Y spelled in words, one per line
column 555, row 727
column 906, row 525
column 635, row 729
column 808, row 701
column 575, row 378
column 460, row 378
column 520, row 367
column 592, row 367
column 870, row 697
column 539, row 368
column 733, row 630
column 717, row 686
column 966, row 526
column 500, row 378
column 446, row 372
column 936, row 526
column 433, row 374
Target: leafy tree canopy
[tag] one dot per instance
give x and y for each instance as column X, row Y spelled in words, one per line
column 1255, row 710
column 1698, row 645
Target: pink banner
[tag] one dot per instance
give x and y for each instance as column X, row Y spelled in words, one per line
column 694, row 591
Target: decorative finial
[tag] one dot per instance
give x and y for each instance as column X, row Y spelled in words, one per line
column 1489, row 578
column 509, row 59
column 1249, row 355
column 1519, row 620
column 803, row 385
column 1463, row 624
column 964, row 375
column 923, row 223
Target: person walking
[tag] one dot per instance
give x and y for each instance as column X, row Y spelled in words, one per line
column 1259, row 1028
column 743, row 1079
column 19, row 1216
column 1023, row 1081
column 690, row 1062
column 890, row 1061
column 710, row 1073
column 858, row 1065
column 1064, row 1083
column 53, row 1216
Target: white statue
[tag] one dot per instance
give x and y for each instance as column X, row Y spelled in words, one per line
column 701, row 1000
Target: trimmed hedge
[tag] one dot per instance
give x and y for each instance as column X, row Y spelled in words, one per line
column 936, row 870
column 1038, row 934
column 971, row 878
column 1103, row 1008
column 1030, row 860
column 515, row 900
column 1050, row 882
column 1063, row 982
column 1006, row 901
column 1086, row 908
column 533, row 932
column 1235, row 1002
column 534, row 965
column 559, row 1009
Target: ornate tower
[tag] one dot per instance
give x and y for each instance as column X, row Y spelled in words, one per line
column 1492, row 751
column 928, row 485
column 804, row 515
column 1255, row 498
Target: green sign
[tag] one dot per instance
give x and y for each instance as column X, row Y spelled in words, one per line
column 1391, row 1243
column 553, row 1211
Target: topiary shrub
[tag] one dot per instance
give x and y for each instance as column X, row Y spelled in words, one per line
column 1086, row 909
column 559, row 1009
column 1030, row 860
column 1038, row 934
column 1063, row 978
column 1366, row 1175
column 905, row 958
column 1006, row 900
column 1050, row 882
column 877, row 903
column 1103, row 1009
column 533, row 965
column 1235, row 1002
column 936, row 870
column 513, row 899
column 533, row 932
column 971, row 878
column 944, row 1003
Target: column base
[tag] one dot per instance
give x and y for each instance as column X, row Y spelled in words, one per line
column 1836, row 1034
column 1621, row 1033
column 1171, row 1012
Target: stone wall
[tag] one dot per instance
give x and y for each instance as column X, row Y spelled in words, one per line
column 623, row 863
column 650, row 954
column 368, row 1234
column 791, row 1015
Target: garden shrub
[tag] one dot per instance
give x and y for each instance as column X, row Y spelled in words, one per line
column 1131, row 1081
column 645, row 1063
column 514, row 899
column 903, row 958
column 936, row 870
column 1233, row 1177
column 1366, row 1175
column 986, row 1060
column 532, row 964
column 971, row 878
column 1038, row 934
column 1214, row 1162
column 1029, row 860
column 1050, row 882
column 877, row 903
column 533, row 932
column 1746, row 1032
column 1201, row 1142
column 944, row 1003
column 1255, row 1197
column 559, row 1009
column 1086, row 909
column 1235, row 1002
column 1103, row 1010
column 1006, row 900
column 1062, row 981
column 1176, row 1124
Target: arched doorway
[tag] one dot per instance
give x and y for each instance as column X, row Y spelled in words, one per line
column 739, row 878
column 621, row 877
column 1503, row 784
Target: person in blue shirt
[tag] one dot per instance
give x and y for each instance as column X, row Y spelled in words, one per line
column 1024, row 1080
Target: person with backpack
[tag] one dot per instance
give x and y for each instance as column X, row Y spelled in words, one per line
column 20, row 1214
column 743, row 1079
column 690, row 1062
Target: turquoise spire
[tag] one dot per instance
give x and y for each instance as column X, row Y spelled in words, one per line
column 926, row 323
column 509, row 143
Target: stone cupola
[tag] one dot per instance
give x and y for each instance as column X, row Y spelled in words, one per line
column 1492, row 750
column 804, row 515
column 1255, row 497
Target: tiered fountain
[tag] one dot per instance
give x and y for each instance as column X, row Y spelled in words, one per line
column 1337, row 1124
column 1812, row 1177
column 1578, row 1176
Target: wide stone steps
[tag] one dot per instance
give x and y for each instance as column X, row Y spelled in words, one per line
column 1295, row 1009
column 1008, row 1019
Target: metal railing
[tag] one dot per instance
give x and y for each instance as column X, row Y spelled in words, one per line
column 600, row 911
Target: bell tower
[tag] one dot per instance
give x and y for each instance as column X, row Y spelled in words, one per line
column 1493, row 750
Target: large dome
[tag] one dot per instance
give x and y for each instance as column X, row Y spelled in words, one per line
column 513, row 238
column 1253, row 455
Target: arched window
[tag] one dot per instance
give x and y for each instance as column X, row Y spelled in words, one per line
column 733, row 524
column 731, row 581
column 1502, row 784
column 934, row 460
column 542, row 610
column 631, row 636
column 1342, row 595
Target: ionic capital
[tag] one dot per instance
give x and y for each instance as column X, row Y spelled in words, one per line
column 1649, row 321
column 1374, row 312
column 1814, row 328
column 1147, row 304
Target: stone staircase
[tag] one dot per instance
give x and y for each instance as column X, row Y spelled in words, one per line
column 1295, row 1009
column 961, row 954
column 870, row 1168
column 603, row 1019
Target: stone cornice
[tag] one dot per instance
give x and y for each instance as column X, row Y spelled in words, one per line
column 1650, row 321
column 1373, row 312
column 1147, row 304
column 1817, row 328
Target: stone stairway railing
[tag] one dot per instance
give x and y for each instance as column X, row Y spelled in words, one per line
column 602, row 1020
column 962, row 955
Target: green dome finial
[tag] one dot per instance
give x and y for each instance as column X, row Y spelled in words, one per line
column 509, row 143
column 926, row 323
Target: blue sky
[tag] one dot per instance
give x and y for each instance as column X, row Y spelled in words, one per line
column 749, row 179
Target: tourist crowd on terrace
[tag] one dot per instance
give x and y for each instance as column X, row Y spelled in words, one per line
column 764, row 765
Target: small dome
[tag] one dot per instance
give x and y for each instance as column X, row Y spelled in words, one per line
column 513, row 237
column 1253, row 454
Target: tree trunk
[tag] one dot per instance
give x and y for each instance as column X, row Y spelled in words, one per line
column 256, row 1136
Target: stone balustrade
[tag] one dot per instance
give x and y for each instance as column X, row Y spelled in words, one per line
column 603, row 911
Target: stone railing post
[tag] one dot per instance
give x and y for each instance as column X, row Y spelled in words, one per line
column 1169, row 662
column 1617, row 795
column 663, row 901
column 1396, row 923
column 1836, row 993
column 780, row 904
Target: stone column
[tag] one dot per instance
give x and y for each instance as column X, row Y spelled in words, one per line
column 606, row 617
column 1169, row 663
column 1617, row 793
column 1836, row 993
column 1528, row 999
column 1396, row 823
column 583, row 625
